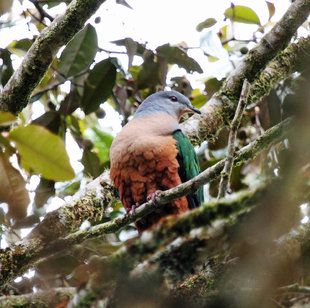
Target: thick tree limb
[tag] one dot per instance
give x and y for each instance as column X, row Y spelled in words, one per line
column 50, row 298
column 17, row 259
column 220, row 108
column 16, row 93
column 89, row 204
column 291, row 59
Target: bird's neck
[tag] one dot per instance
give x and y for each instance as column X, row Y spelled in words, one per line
column 156, row 124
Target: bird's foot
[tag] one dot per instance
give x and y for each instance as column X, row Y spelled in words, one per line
column 133, row 208
column 153, row 195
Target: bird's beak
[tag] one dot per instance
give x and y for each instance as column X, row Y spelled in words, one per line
column 192, row 108
column 189, row 109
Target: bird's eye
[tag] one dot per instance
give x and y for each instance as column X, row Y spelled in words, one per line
column 173, row 98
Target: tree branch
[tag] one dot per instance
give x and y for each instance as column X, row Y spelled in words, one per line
column 281, row 67
column 19, row 258
column 16, row 93
column 50, row 298
column 225, row 174
column 159, row 247
column 220, row 108
column 172, row 250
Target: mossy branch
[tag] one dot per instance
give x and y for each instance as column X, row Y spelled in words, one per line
column 16, row 93
column 49, row 298
column 159, row 250
column 176, row 248
column 220, row 109
column 17, row 259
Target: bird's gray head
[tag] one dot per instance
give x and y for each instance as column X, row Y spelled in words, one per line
column 168, row 102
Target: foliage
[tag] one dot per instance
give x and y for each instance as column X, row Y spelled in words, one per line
column 80, row 86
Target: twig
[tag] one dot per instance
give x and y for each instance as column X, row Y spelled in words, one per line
column 16, row 93
column 41, row 11
column 226, row 173
column 36, row 18
column 112, row 51
column 295, row 288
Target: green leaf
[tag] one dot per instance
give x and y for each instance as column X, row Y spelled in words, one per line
column 12, row 188
column 91, row 163
column 149, row 74
column 213, row 85
column 98, row 85
column 20, row 47
column 71, row 102
column 206, row 24
column 69, row 189
column 102, row 143
column 43, row 152
column 130, row 43
column 175, row 55
column 199, row 101
column 50, row 120
column 6, row 118
column 6, row 69
column 242, row 14
column 79, row 53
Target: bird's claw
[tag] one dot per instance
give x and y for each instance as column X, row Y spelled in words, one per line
column 133, row 208
column 153, row 195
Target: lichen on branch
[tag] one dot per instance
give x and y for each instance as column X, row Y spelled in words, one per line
column 16, row 93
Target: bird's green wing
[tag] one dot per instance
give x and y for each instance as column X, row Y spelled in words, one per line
column 189, row 166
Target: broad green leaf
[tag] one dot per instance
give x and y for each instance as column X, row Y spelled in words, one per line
column 102, row 143
column 149, row 75
column 206, row 24
column 242, row 14
column 6, row 118
column 79, row 53
column 175, row 55
column 98, row 85
column 43, row 152
column 213, row 85
column 71, row 102
column 12, row 188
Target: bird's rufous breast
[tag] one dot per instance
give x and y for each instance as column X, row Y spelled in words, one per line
column 143, row 160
